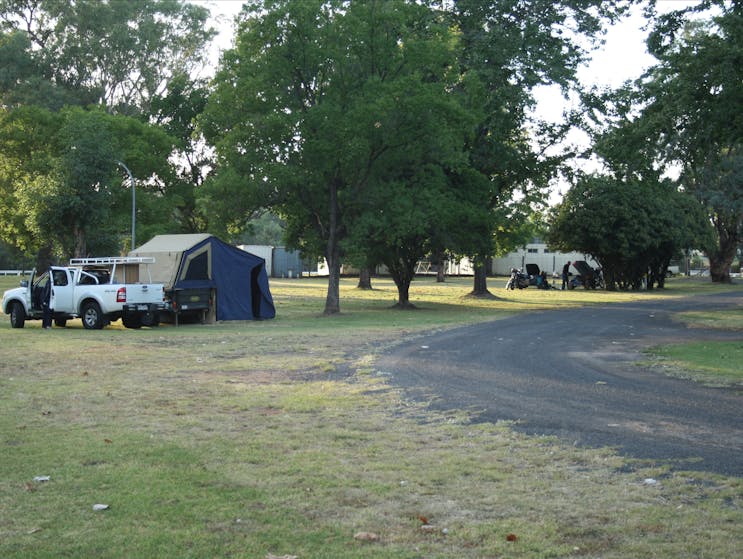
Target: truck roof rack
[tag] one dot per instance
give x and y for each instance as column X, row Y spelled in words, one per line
column 112, row 260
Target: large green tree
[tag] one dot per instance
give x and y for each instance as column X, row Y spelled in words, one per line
column 125, row 66
column 328, row 111
column 510, row 47
column 59, row 179
column 632, row 228
column 685, row 114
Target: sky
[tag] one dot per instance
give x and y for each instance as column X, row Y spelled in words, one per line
column 622, row 57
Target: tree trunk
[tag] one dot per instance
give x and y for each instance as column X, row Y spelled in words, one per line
column 44, row 258
column 403, row 294
column 333, row 256
column 663, row 271
column 364, row 279
column 402, row 274
column 722, row 258
column 440, row 276
column 480, row 287
column 719, row 269
column 81, row 246
column 333, row 298
column 610, row 279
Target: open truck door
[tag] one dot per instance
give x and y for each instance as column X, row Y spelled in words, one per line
column 62, row 290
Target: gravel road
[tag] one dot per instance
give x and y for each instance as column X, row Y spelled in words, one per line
column 575, row 374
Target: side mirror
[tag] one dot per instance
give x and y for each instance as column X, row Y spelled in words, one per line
column 24, row 283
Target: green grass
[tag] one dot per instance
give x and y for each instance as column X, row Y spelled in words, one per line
column 243, row 440
column 731, row 319
column 717, row 363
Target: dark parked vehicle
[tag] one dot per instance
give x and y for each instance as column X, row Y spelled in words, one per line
column 588, row 277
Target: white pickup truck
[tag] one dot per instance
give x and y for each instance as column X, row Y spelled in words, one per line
column 98, row 290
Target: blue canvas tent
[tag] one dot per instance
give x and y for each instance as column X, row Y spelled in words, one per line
column 238, row 278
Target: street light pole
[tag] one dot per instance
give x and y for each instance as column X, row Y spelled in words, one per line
column 134, row 204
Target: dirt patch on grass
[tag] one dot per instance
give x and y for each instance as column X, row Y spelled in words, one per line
column 264, row 376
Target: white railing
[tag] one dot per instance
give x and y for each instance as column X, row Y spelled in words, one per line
column 108, row 260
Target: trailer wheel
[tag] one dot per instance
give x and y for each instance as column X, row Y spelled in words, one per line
column 132, row 320
column 151, row 318
column 17, row 315
column 92, row 316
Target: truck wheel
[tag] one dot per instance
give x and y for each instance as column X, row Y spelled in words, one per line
column 17, row 315
column 92, row 316
column 61, row 322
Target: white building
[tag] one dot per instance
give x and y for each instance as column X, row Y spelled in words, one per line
column 537, row 253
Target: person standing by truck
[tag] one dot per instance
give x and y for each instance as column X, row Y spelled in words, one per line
column 46, row 302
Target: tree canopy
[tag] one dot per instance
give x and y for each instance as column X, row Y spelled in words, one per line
column 508, row 48
column 632, row 228
column 342, row 107
column 377, row 132
column 58, row 170
column 117, row 54
column 373, row 127
column 84, row 85
column 685, row 113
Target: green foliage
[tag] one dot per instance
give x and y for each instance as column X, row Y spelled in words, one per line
column 26, row 166
column 176, row 111
column 685, row 112
column 58, row 174
column 417, row 215
column 267, row 229
column 60, row 182
column 12, row 259
column 119, row 54
column 719, row 185
column 631, row 228
column 508, row 48
column 339, row 110
column 353, row 119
